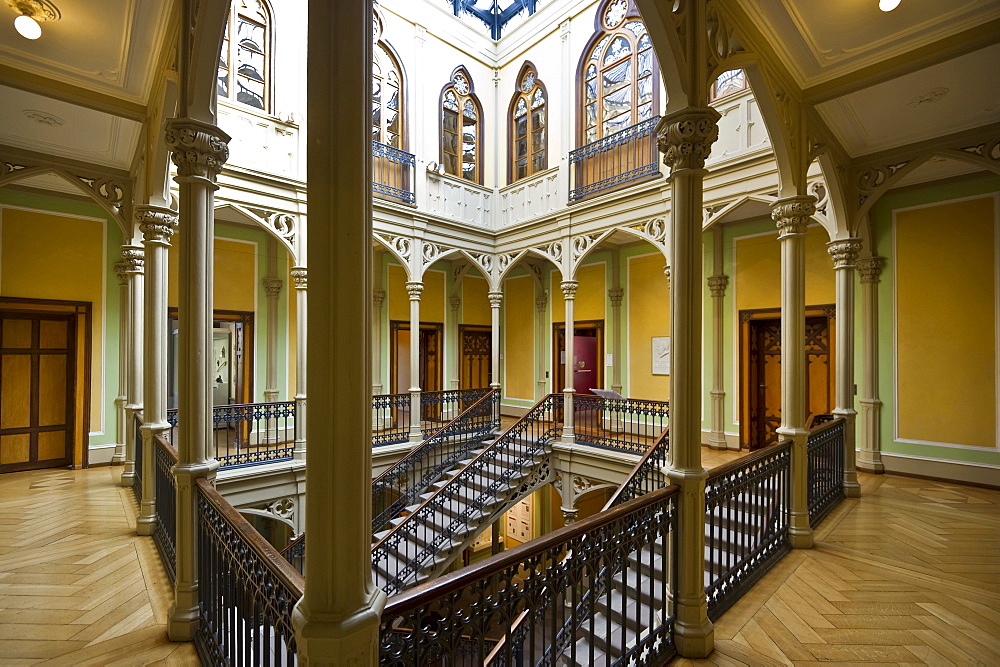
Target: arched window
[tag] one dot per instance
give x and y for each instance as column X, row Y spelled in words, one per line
column 387, row 93
column 528, row 122
column 728, row 83
column 618, row 73
column 244, row 62
column 461, row 128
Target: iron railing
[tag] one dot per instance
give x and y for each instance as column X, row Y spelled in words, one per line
column 402, row 484
column 249, row 434
column 138, row 455
column 648, row 475
column 746, row 522
column 625, row 425
column 525, row 596
column 165, row 505
column 390, row 419
column 826, row 467
column 615, row 160
column 391, row 413
column 393, row 173
column 247, row 590
column 295, row 553
column 509, row 469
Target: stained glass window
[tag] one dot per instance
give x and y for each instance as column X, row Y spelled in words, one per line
column 461, row 128
column 387, row 108
column 244, row 59
column 528, row 121
column 729, row 82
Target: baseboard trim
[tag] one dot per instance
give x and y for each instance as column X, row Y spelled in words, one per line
column 972, row 474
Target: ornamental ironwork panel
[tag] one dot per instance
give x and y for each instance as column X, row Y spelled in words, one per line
column 826, row 468
column 390, row 419
column 393, row 173
column 624, row 425
column 248, row 434
column 165, row 504
column 615, row 160
column 138, row 456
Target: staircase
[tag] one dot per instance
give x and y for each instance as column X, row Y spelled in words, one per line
column 434, row 531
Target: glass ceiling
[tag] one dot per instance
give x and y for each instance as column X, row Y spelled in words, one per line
column 493, row 13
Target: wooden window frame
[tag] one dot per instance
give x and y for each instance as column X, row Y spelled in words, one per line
column 471, row 96
column 519, row 94
column 268, row 55
column 393, row 58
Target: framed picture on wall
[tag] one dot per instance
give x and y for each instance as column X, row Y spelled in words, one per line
column 661, row 355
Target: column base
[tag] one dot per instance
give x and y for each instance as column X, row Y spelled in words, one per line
column 800, row 533
column 128, row 477
column 717, row 441
column 118, row 458
column 851, row 487
column 350, row 640
column 868, row 463
column 146, row 523
column 694, row 641
column 183, row 622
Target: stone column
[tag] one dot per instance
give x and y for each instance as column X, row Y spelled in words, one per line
column 569, row 428
column 845, row 254
column 415, row 289
column 870, row 456
column 616, row 294
column 541, row 304
column 124, row 332
column 337, row 620
column 717, row 285
column 272, row 290
column 791, row 216
column 132, row 257
column 496, row 298
column 378, row 298
column 198, row 150
column 157, row 226
column 300, row 280
column 455, row 342
column 686, row 138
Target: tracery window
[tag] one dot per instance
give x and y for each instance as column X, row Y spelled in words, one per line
column 618, row 73
column 528, row 123
column 461, row 128
column 244, row 62
column 729, row 83
column 387, row 106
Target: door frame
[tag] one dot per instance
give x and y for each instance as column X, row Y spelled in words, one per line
column 558, row 334
column 477, row 328
column 395, row 326
column 81, row 391
column 243, row 350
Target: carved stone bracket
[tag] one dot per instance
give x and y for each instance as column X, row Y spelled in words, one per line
column 792, row 214
column 686, row 137
column 870, row 268
column 484, row 261
column 653, row 230
column 401, row 245
column 197, row 148
column 844, row 252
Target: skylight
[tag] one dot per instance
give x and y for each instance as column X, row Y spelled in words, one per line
column 493, row 13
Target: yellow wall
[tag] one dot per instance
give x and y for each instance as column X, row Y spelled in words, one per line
column 946, row 323
column 235, row 269
column 293, row 328
column 591, row 294
column 396, row 296
column 758, row 270
column 475, row 303
column 648, row 297
column 519, row 337
column 49, row 256
column 432, row 298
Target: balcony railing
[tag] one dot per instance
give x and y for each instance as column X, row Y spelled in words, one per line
column 165, row 531
column 138, row 455
column 391, row 413
column 393, row 173
column 615, row 161
column 248, row 434
column 826, row 466
column 625, row 425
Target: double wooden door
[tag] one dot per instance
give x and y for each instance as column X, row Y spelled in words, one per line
column 476, row 346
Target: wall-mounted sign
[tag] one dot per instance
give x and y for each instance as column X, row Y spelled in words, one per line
column 661, row 355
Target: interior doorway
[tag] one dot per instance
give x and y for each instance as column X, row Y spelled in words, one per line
column 760, row 371
column 232, row 358
column 430, row 336
column 588, row 351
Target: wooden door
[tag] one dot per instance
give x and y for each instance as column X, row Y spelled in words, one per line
column 476, row 348
column 38, row 359
column 765, row 382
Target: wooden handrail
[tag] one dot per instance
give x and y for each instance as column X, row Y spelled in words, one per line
column 635, row 471
column 826, row 425
column 727, row 468
column 431, row 590
column 166, row 446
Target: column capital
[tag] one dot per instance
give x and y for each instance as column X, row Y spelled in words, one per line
column 197, row 148
column 300, row 276
column 542, row 301
column 414, row 289
column 378, row 297
column 455, row 303
column 496, row 298
column 616, row 294
column 120, row 271
column 569, row 288
column 870, row 268
column 272, row 287
column 792, row 214
column 718, row 285
column 685, row 137
column 666, row 273
column 844, row 252
column 156, row 223
column 132, row 260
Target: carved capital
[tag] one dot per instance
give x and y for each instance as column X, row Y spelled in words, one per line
column 870, row 268
column 496, row 298
column 197, row 148
column 133, row 259
column 685, row 138
column 844, row 252
column 455, row 303
column 272, row 287
column 792, row 214
column 616, row 294
column 666, row 272
column 718, row 285
column 414, row 290
column 542, row 301
column 120, row 271
column 569, row 288
column 378, row 297
column 300, row 277
column 156, row 224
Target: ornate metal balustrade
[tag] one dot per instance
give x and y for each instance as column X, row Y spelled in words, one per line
column 625, row 425
column 440, row 407
column 295, row 553
column 393, row 173
column 526, row 596
column 390, row 419
column 826, row 467
column 746, row 522
column 648, row 475
column 391, row 413
column 249, row 434
column 247, row 590
column 515, row 464
column 402, row 484
column 165, row 530
column 616, row 160
column 138, row 455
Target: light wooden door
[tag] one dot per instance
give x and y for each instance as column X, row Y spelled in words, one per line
column 37, row 392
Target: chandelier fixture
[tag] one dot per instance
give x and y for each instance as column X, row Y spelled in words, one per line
column 888, row 5
column 31, row 14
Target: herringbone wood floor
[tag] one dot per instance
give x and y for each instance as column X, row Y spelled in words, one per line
column 77, row 587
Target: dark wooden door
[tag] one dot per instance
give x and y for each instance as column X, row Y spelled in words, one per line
column 38, row 357
column 476, row 348
column 765, row 382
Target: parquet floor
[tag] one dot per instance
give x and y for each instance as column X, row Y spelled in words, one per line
column 77, row 587
column 908, row 575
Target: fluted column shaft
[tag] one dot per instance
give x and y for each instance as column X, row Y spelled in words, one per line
column 132, row 257
column 198, row 150
column 616, row 295
column 496, row 298
column 717, row 286
column 272, row 290
column 454, row 346
column 845, row 254
column 686, row 138
column 118, row 458
column 541, row 304
column 569, row 298
column 157, row 226
column 378, row 298
column 870, row 456
column 300, row 279
column 791, row 216
column 415, row 289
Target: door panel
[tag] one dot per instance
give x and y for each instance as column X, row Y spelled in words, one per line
column 585, row 366
column 15, row 390
column 476, row 345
